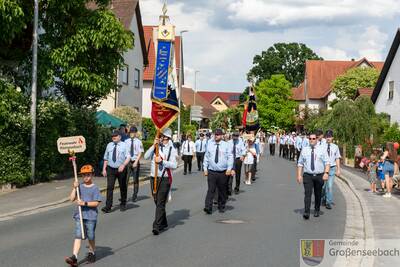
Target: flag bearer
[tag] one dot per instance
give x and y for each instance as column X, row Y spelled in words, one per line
column 166, row 162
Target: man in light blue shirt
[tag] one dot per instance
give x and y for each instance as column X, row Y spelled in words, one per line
column 218, row 164
column 238, row 151
column 272, row 144
column 314, row 160
column 200, row 151
column 334, row 158
column 135, row 148
column 298, row 145
column 116, row 158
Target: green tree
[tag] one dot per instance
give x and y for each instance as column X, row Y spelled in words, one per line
column 231, row 117
column 282, row 58
column 128, row 114
column 80, row 48
column 345, row 86
column 274, row 104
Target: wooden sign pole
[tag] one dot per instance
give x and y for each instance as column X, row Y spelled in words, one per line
column 73, row 159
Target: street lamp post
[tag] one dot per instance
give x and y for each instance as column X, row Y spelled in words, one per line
column 181, row 73
column 194, row 96
column 34, row 89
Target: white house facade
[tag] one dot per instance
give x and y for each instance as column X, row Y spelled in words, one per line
column 130, row 76
column 386, row 95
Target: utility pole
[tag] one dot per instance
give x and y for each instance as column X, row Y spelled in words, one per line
column 181, row 74
column 34, row 89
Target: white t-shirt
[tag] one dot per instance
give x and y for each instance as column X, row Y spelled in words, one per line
column 249, row 159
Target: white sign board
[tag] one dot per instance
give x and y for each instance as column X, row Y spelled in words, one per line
column 75, row 144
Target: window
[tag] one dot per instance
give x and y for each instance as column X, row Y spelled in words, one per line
column 124, row 74
column 391, row 90
column 217, row 102
column 137, row 78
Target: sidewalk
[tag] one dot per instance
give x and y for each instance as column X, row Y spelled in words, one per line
column 50, row 194
column 384, row 212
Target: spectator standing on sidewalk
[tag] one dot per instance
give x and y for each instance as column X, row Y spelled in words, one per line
column 372, row 176
column 390, row 158
column 335, row 168
column 116, row 158
column 188, row 151
column 166, row 162
column 135, row 147
column 379, row 173
column 314, row 160
column 200, row 151
column 90, row 200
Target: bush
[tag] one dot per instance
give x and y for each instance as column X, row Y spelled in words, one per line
column 147, row 144
column 148, row 126
column 14, row 166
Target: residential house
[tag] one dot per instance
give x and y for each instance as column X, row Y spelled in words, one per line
column 221, row 100
column 364, row 92
column 316, row 90
column 386, row 95
column 130, row 77
column 150, row 35
column 190, row 98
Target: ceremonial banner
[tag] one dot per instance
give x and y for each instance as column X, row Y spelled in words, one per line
column 165, row 106
column 250, row 114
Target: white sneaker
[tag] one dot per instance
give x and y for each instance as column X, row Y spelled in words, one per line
column 387, row 195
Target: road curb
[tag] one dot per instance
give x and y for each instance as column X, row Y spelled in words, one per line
column 55, row 203
column 352, row 227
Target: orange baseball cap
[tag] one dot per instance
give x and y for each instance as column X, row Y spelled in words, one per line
column 87, row 169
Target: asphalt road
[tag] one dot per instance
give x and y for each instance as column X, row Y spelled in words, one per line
column 270, row 210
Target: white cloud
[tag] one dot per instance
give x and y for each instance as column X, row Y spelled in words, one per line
column 290, row 13
column 330, row 53
column 223, row 52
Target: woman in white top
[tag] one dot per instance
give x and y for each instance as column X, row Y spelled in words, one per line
column 249, row 160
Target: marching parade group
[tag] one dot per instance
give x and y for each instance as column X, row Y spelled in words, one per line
column 220, row 156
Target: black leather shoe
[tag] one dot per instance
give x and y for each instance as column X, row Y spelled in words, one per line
column 316, row 213
column 207, row 211
column 156, row 232
column 184, row 173
column 236, row 191
column 106, row 210
column 221, row 210
column 328, row 206
column 134, row 198
column 306, row 216
column 122, row 208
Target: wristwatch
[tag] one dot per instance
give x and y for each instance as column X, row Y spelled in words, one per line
column 327, row 173
column 86, row 204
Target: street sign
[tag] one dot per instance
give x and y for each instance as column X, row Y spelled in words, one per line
column 76, row 144
column 196, row 113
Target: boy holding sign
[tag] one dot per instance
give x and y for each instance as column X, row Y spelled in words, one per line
column 90, row 199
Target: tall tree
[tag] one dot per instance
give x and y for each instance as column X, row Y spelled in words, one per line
column 80, row 48
column 345, row 86
column 282, row 58
column 274, row 103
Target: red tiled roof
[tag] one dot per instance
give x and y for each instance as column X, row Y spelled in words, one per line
column 188, row 98
column 365, row 91
column 230, row 98
column 148, row 36
column 321, row 73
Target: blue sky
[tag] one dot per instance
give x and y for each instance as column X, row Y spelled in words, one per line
column 225, row 35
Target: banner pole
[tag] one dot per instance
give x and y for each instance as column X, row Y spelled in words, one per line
column 73, row 159
column 156, row 164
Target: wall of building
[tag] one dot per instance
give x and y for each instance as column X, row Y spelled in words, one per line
column 130, row 95
column 383, row 104
column 314, row 104
column 146, row 99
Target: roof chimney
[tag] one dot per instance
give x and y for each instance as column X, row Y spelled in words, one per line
column 353, row 59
